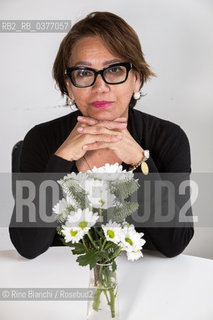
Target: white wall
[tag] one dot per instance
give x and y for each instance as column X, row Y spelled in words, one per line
column 176, row 37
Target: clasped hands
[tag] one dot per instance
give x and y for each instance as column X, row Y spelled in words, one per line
column 112, row 135
column 92, row 134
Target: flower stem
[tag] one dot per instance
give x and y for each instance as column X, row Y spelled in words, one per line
column 100, row 215
column 105, row 284
column 89, row 235
column 114, row 255
column 105, row 240
column 107, row 297
column 112, row 304
column 84, row 244
column 97, row 300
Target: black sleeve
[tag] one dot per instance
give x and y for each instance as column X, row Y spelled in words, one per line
column 169, row 238
column 35, row 161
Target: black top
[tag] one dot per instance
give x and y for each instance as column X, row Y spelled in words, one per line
column 169, row 153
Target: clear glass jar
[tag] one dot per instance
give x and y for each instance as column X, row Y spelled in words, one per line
column 105, row 304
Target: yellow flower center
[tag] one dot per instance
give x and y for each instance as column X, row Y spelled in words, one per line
column 129, row 241
column 73, row 233
column 83, row 224
column 110, row 233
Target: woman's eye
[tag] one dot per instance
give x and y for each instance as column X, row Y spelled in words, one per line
column 114, row 70
column 84, row 73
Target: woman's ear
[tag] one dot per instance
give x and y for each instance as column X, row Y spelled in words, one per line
column 137, row 81
column 69, row 88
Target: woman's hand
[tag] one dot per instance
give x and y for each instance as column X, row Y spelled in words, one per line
column 73, row 147
column 126, row 148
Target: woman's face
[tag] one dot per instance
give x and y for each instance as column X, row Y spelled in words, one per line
column 91, row 52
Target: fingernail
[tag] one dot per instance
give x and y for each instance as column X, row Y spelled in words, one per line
column 80, row 118
column 80, row 129
column 85, row 147
column 123, row 125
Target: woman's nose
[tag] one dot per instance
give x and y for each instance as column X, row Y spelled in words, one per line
column 100, row 85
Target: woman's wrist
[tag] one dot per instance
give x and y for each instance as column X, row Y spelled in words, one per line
column 144, row 168
column 64, row 155
column 138, row 160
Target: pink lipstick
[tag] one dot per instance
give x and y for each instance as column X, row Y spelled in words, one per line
column 101, row 104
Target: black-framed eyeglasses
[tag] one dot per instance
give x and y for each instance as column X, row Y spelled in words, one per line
column 83, row 77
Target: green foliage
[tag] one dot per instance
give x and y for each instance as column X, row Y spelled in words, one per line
column 119, row 214
column 114, row 266
column 58, row 229
column 90, row 258
column 122, row 189
column 61, row 218
column 102, row 256
column 68, row 244
column 73, row 189
column 99, row 232
column 78, row 248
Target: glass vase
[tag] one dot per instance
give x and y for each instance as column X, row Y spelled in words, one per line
column 104, row 305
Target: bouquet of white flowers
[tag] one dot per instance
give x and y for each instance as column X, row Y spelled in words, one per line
column 92, row 222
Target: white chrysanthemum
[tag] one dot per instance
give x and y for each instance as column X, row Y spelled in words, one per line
column 113, row 172
column 68, row 181
column 98, row 193
column 132, row 240
column 60, row 206
column 97, row 183
column 63, row 208
column 126, row 224
column 74, row 176
column 83, row 219
column 113, row 231
column 109, row 168
column 134, row 255
column 71, row 201
column 73, row 234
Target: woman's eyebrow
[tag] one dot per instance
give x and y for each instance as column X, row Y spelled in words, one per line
column 111, row 61
column 86, row 63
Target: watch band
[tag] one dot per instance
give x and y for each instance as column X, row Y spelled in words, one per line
column 142, row 163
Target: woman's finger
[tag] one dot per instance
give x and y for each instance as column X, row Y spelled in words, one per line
column 89, row 139
column 87, row 120
column 119, row 123
column 100, row 144
column 113, row 125
column 110, row 125
column 97, row 130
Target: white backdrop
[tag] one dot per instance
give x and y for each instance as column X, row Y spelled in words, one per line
column 176, row 38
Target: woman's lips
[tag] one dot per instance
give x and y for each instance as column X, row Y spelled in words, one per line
column 101, row 104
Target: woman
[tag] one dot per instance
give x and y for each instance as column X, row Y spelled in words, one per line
column 101, row 68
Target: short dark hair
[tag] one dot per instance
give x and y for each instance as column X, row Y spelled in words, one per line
column 119, row 37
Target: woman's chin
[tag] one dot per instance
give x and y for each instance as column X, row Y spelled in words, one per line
column 103, row 116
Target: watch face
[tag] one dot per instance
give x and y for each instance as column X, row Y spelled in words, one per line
column 146, row 154
column 144, row 168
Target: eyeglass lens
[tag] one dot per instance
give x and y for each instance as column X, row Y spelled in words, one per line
column 85, row 77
